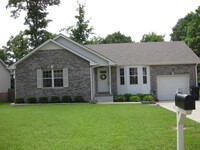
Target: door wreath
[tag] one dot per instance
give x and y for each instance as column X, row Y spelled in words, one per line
column 102, row 76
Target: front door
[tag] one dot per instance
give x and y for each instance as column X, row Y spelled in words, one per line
column 103, row 84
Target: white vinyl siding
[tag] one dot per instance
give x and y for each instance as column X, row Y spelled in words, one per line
column 4, row 79
column 134, row 80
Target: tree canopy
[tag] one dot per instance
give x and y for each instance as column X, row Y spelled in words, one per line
column 35, row 17
column 152, row 37
column 188, row 29
column 3, row 55
column 16, row 47
column 117, row 37
column 81, row 31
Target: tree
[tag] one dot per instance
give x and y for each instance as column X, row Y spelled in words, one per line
column 17, row 47
column 81, row 31
column 35, row 18
column 187, row 29
column 95, row 40
column 152, row 37
column 117, row 37
column 3, row 55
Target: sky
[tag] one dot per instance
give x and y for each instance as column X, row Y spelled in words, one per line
column 131, row 17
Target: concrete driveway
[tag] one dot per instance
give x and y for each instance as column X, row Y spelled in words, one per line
column 170, row 104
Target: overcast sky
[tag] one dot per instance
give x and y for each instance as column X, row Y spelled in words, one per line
column 131, row 17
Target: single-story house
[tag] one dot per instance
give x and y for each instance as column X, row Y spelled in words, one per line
column 4, row 81
column 61, row 66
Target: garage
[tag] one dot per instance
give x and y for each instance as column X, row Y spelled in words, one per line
column 167, row 85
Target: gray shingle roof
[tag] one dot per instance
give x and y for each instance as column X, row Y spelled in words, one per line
column 148, row 53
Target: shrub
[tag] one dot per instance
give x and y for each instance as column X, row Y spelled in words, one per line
column 119, row 98
column 78, row 99
column 93, row 101
column 148, row 98
column 55, row 99
column 135, row 98
column 19, row 100
column 141, row 96
column 67, row 99
column 43, row 99
column 127, row 97
column 31, row 99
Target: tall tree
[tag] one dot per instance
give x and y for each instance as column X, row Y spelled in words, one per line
column 3, row 55
column 81, row 31
column 95, row 40
column 17, row 47
column 117, row 37
column 152, row 37
column 35, row 18
column 188, row 29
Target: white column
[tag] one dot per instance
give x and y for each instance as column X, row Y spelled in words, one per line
column 181, row 115
column 110, row 85
column 180, row 131
column 91, row 83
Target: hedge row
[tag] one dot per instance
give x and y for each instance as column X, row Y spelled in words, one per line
column 134, row 98
column 53, row 99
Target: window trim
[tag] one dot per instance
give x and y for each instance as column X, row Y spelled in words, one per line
column 53, row 78
column 133, row 76
column 144, row 75
column 122, row 76
column 47, row 78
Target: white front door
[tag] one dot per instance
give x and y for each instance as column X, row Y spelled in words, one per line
column 103, row 81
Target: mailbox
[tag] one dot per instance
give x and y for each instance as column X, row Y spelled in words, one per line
column 184, row 101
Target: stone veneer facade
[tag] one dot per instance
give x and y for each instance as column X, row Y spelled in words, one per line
column 78, row 74
column 167, row 70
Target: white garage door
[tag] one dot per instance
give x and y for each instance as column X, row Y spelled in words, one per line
column 167, row 86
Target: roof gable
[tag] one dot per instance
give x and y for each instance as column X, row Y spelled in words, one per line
column 50, row 45
column 83, row 50
column 62, row 42
column 148, row 53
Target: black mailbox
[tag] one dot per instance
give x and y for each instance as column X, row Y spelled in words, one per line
column 185, row 101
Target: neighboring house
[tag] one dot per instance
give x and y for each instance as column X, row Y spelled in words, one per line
column 61, row 66
column 4, row 81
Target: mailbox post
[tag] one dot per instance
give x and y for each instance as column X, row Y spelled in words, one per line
column 184, row 106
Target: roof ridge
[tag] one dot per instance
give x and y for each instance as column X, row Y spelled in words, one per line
column 135, row 43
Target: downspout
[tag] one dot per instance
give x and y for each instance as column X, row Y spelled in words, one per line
column 91, row 82
column 110, row 84
column 196, row 73
column 14, row 77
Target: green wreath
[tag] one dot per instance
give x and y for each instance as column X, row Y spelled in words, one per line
column 103, row 77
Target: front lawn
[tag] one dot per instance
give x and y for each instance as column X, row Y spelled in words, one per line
column 92, row 127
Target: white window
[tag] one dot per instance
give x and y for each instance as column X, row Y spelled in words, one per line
column 122, row 78
column 52, row 78
column 144, row 72
column 133, row 73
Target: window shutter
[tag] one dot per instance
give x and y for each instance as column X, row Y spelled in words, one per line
column 39, row 78
column 65, row 77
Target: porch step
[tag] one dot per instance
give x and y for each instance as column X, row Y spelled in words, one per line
column 104, row 98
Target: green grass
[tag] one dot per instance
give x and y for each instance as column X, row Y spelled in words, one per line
column 92, row 127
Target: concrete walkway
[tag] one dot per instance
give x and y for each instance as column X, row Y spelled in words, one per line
column 195, row 113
